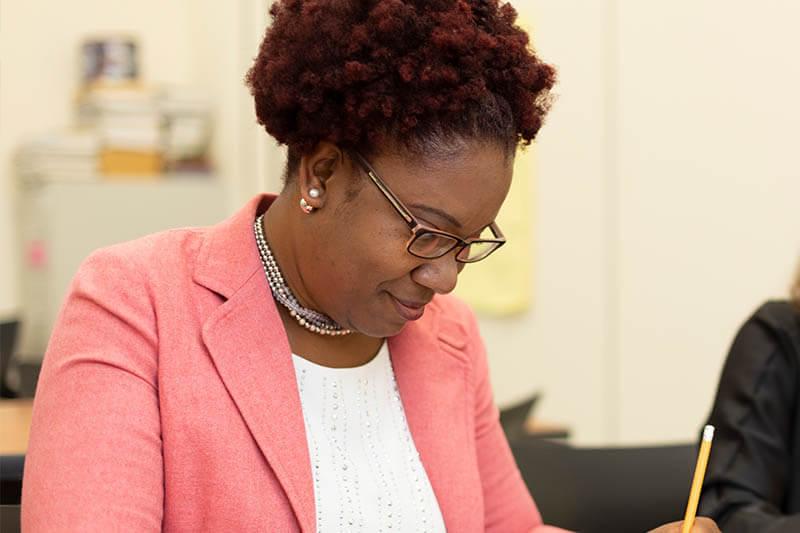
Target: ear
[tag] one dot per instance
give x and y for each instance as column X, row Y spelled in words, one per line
column 314, row 172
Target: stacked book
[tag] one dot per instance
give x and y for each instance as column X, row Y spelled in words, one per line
column 130, row 128
column 186, row 113
column 125, row 131
column 62, row 156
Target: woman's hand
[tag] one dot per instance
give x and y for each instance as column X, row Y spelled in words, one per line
column 701, row 525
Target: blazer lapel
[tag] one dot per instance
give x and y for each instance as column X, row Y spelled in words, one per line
column 433, row 378
column 247, row 341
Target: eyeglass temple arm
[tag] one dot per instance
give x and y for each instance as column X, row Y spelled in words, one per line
column 386, row 192
column 497, row 232
column 395, row 203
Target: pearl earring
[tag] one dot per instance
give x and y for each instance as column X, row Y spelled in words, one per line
column 314, row 193
column 307, row 209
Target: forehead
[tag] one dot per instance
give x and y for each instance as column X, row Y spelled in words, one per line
column 470, row 184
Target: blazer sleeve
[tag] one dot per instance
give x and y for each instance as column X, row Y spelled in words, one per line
column 94, row 459
column 508, row 506
column 748, row 474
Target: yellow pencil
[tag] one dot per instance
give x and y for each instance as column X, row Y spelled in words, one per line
column 697, row 482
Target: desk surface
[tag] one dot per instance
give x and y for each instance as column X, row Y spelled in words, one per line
column 15, row 421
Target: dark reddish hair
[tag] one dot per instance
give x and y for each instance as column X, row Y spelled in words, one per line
column 795, row 290
column 422, row 73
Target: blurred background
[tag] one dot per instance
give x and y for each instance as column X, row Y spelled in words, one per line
column 660, row 204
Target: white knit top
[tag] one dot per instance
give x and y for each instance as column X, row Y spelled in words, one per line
column 367, row 473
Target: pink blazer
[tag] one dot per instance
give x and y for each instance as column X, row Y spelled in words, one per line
column 167, row 401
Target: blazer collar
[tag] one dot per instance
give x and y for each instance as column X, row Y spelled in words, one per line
column 228, row 256
column 249, row 347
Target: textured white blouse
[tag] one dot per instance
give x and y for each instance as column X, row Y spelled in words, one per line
column 367, row 473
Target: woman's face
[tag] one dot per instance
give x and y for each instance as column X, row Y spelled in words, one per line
column 355, row 265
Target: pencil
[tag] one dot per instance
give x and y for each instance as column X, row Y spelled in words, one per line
column 697, row 482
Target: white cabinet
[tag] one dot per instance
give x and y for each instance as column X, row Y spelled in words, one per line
column 61, row 223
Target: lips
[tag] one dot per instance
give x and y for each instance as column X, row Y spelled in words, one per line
column 409, row 310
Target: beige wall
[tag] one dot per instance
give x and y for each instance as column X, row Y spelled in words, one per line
column 665, row 203
column 709, row 201
column 560, row 346
column 667, row 209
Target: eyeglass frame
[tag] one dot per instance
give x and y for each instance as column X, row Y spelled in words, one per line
column 418, row 228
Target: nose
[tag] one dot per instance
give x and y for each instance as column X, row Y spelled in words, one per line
column 440, row 275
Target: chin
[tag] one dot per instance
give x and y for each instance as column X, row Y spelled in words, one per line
column 382, row 330
column 379, row 320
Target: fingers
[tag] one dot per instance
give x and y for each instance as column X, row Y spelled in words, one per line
column 672, row 527
column 701, row 525
column 704, row 525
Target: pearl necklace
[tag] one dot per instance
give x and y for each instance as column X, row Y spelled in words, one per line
column 308, row 318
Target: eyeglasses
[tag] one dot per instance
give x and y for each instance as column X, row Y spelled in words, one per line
column 431, row 243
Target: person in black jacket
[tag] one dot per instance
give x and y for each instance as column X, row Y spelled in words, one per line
column 753, row 478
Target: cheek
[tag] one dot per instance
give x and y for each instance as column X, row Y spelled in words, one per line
column 382, row 261
column 378, row 243
column 363, row 257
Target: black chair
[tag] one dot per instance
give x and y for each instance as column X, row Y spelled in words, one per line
column 8, row 336
column 10, row 518
column 514, row 417
column 598, row 490
column 11, row 468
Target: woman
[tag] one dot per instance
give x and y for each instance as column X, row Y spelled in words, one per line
column 298, row 367
column 753, row 478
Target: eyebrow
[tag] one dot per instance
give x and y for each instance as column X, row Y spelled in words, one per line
column 439, row 213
